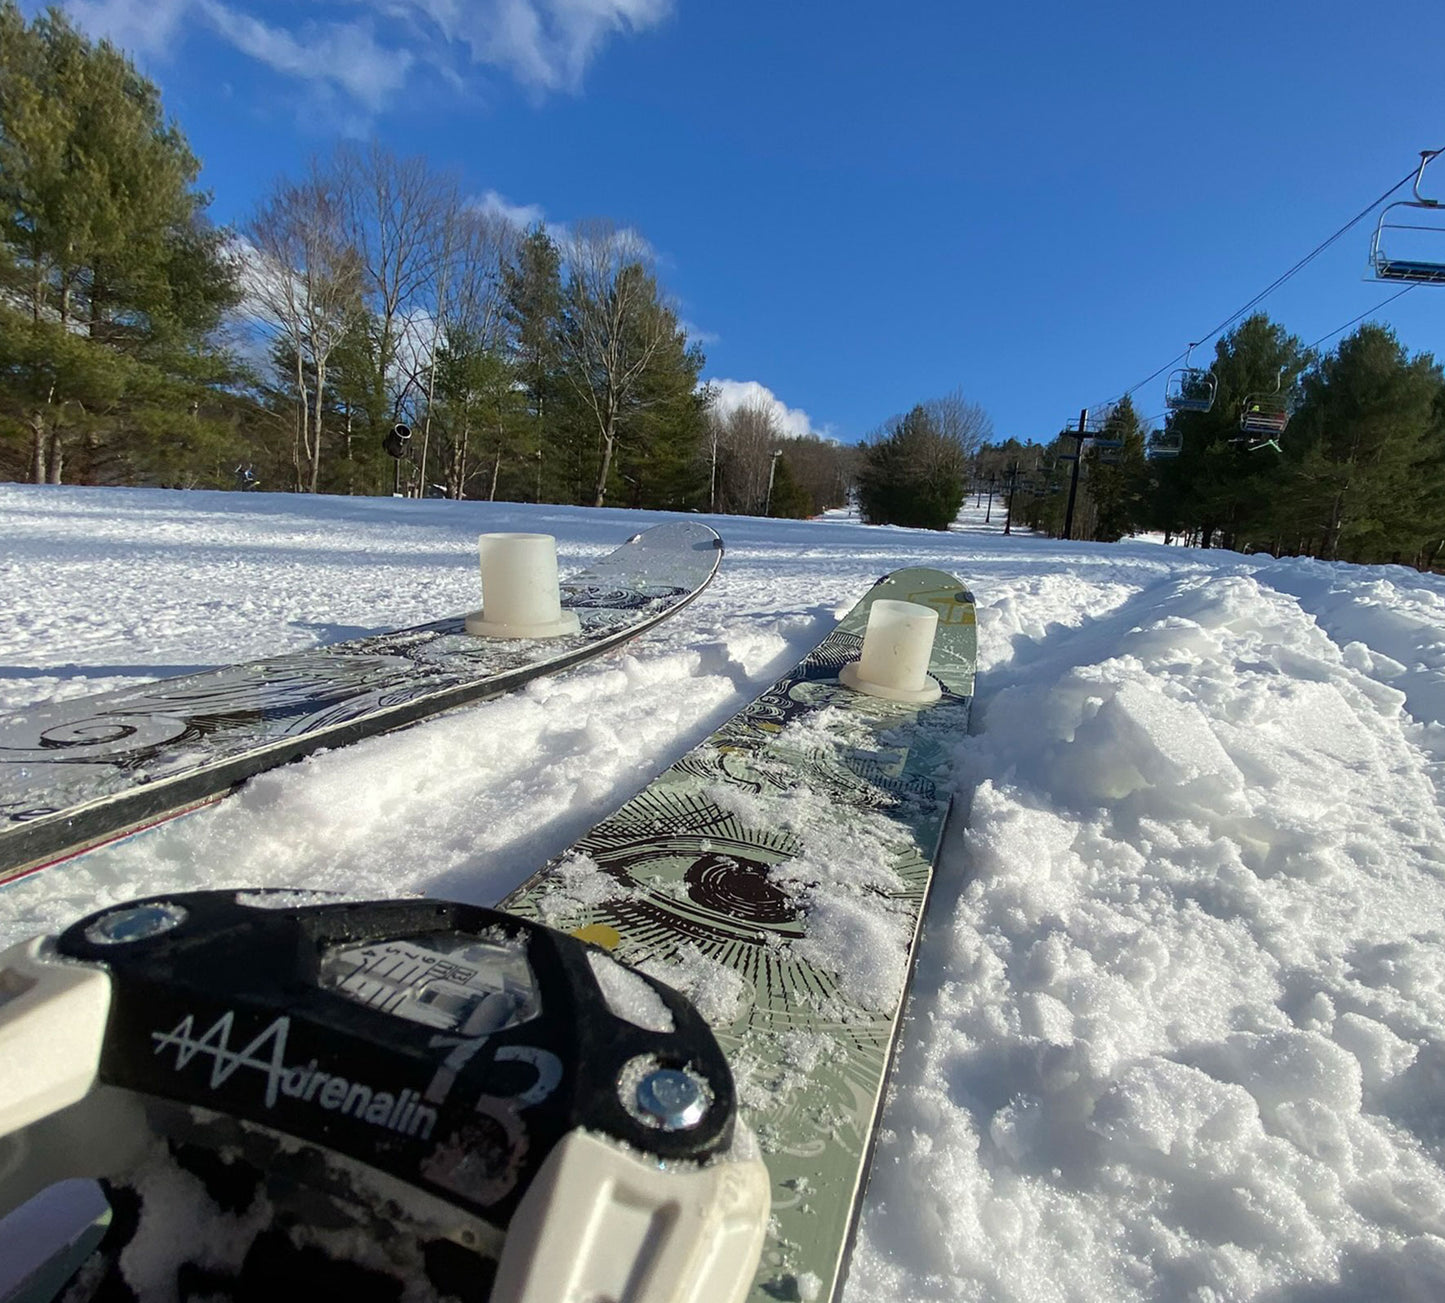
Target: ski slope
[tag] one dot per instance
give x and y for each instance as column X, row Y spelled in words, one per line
column 1178, row 1025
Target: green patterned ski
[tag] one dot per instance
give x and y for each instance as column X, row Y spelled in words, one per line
column 777, row 875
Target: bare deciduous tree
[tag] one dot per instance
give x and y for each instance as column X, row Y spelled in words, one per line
column 305, row 280
column 470, row 336
column 958, row 418
column 398, row 218
column 742, row 442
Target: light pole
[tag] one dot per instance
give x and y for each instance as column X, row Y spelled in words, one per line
column 772, row 470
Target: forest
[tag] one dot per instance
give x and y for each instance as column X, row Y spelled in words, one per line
column 370, row 328
column 1356, row 471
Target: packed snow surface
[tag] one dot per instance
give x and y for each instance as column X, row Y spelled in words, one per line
column 1178, row 1025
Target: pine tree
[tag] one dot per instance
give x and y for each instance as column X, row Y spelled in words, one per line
column 532, row 287
column 1118, row 477
column 913, row 474
column 1368, row 437
column 480, row 421
column 1218, row 489
column 790, row 500
column 106, row 239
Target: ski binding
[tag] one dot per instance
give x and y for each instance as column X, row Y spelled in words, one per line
column 498, row 1105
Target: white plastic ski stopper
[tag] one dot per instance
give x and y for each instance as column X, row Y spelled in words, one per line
column 896, row 650
column 520, row 596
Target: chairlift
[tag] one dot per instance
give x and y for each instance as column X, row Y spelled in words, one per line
column 1106, row 451
column 1190, row 388
column 1165, row 443
column 1266, row 415
column 1405, row 247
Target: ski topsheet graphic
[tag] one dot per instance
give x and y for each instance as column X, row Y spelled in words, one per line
column 78, row 772
column 448, row 1080
column 777, row 874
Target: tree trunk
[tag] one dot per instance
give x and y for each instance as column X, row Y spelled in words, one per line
column 37, row 431
column 350, row 453
column 1333, row 531
column 608, row 434
column 301, row 438
column 316, row 426
column 459, row 459
column 57, row 457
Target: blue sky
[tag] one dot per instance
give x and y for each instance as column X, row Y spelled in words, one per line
column 860, row 206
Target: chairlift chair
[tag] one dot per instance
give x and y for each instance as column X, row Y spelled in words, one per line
column 1190, row 388
column 1266, row 415
column 1165, row 443
column 1106, row 451
column 1408, row 246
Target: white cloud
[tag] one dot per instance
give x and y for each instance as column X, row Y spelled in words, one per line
column 697, row 335
column 346, row 55
column 546, row 45
column 146, row 27
column 732, row 394
column 522, row 216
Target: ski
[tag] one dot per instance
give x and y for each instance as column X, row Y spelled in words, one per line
column 76, row 773
column 778, row 873
column 655, row 1073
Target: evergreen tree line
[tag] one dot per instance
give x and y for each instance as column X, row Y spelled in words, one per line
column 1358, row 474
column 364, row 304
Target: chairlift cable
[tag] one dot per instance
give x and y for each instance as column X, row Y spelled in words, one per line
column 1313, row 254
column 1278, row 281
column 1368, row 313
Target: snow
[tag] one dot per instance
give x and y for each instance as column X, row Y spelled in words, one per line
column 1178, row 1025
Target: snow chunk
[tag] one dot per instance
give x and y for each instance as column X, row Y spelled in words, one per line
column 628, row 996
